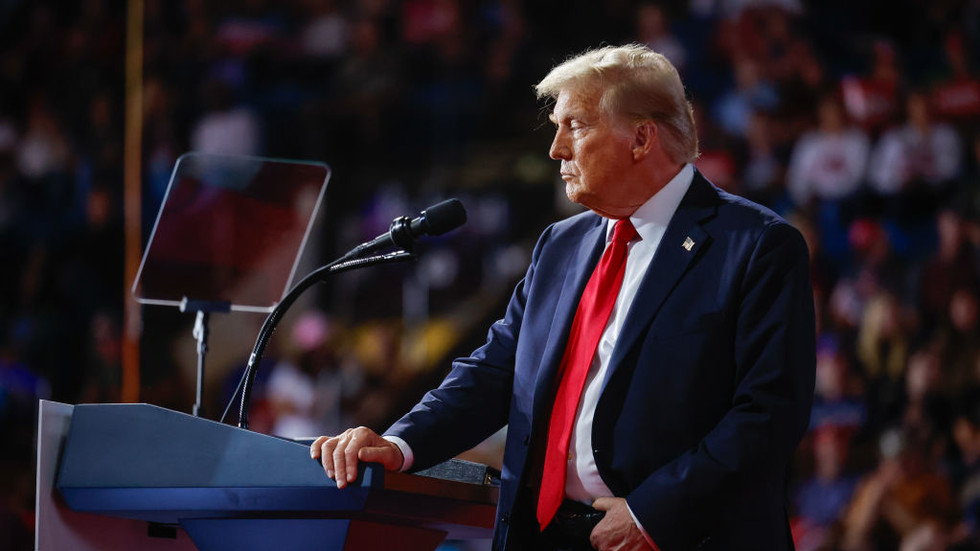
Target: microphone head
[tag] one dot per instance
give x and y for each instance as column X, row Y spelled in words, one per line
column 443, row 217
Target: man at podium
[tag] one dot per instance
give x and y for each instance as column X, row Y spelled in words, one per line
column 655, row 365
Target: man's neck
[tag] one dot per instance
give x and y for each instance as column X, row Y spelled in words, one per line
column 662, row 175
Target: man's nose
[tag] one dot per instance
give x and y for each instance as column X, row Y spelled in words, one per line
column 559, row 147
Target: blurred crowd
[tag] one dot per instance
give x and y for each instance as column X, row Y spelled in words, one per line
column 858, row 121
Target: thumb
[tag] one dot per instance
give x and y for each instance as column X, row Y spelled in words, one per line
column 604, row 503
column 388, row 455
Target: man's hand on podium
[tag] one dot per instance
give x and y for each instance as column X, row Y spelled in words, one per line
column 340, row 454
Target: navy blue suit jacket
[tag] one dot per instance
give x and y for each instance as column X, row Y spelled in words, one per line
column 709, row 387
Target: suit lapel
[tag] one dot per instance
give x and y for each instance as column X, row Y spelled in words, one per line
column 581, row 263
column 678, row 248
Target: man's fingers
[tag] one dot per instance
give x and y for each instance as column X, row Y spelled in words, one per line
column 340, row 454
column 340, row 459
column 315, row 446
column 350, row 456
column 326, row 455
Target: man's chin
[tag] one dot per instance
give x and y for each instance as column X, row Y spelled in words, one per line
column 575, row 194
column 582, row 199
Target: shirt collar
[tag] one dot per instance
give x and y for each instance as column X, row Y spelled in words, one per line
column 651, row 219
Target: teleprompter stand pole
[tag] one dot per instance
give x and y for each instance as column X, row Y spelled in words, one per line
column 204, row 309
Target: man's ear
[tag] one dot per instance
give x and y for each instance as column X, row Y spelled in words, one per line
column 645, row 138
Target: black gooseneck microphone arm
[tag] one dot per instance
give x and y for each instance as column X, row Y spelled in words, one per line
column 435, row 220
column 272, row 320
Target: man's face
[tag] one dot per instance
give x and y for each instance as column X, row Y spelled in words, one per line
column 596, row 155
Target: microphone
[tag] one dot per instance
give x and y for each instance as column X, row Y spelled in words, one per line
column 435, row 220
column 403, row 233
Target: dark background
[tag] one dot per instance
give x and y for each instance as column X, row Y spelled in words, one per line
column 858, row 121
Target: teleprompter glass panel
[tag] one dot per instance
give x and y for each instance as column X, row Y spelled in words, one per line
column 230, row 230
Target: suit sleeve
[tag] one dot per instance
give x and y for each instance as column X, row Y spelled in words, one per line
column 770, row 407
column 473, row 401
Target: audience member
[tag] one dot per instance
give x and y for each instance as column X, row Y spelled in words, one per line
column 965, row 471
column 820, row 500
column 873, row 101
column 837, row 401
column 828, row 163
column 227, row 128
column 904, row 499
column 956, row 98
column 952, row 266
column 921, row 153
column 752, row 92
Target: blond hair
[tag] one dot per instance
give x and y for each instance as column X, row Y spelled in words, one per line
column 636, row 83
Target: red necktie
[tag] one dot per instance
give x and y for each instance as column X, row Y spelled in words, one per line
column 590, row 320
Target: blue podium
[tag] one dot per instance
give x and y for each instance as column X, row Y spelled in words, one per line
column 230, row 488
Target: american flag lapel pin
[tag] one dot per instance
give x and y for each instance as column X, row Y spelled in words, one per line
column 688, row 243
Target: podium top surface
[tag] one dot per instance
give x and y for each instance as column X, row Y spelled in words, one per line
column 147, row 462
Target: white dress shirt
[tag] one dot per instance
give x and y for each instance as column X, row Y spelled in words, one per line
column 583, row 482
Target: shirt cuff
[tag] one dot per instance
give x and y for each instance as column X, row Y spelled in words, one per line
column 643, row 531
column 407, row 456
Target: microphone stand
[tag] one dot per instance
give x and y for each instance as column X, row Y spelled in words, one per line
column 204, row 309
column 342, row 264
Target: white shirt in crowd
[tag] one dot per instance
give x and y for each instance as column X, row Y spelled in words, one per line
column 827, row 165
column 905, row 154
